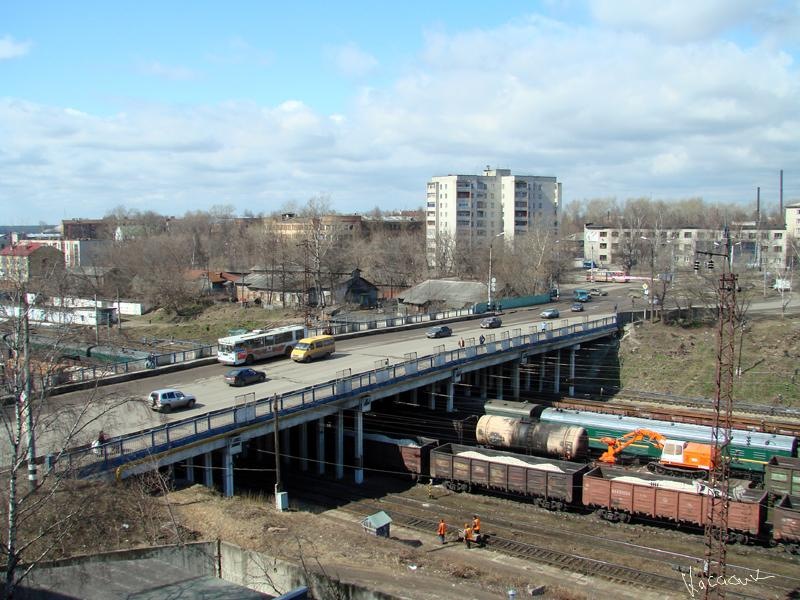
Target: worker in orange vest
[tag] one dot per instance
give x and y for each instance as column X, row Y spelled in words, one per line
column 476, row 525
column 468, row 535
column 441, row 530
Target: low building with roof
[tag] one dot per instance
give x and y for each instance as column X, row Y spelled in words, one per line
column 440, row 294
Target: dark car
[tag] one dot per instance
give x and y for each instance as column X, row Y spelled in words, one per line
column 577, row 307
column 550, row 313
column 491, row 322
column 244, row 376
column 439, row 331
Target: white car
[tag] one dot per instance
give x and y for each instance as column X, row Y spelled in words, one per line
column 167, row 399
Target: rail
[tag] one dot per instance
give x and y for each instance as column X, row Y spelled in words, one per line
column 145, row 443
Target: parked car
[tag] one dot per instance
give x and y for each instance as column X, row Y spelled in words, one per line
column 167, row 399
column 244, row 376
column 550, row 313
column 577, row 307
column 439, row 331
column 598, row 292
column 491, row 322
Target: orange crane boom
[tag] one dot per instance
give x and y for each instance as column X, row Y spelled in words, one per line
column 677, row 457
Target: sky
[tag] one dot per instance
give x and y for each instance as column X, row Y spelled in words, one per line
column 187, row 106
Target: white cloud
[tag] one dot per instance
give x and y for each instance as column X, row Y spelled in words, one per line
column 10, row 48
column 610, row 113
column 169, row 72
column 351, row 61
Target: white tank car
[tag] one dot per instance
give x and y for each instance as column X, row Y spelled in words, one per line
column 548, row 439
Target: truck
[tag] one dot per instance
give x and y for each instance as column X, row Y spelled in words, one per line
column 581, row 296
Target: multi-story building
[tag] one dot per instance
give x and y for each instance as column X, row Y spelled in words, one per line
column 792, row 212
column 28, row 261
column 474, row 209
column 752, row 246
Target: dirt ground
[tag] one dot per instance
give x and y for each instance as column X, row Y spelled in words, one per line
column 408, row 565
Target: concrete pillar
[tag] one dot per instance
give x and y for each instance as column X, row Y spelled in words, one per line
column 286, row 447
column 432, row 396
column 340, row 444
column 208, row 472
column 572, row 352
column 190, row 469
column 499, row 382
column 557, row 375
column 359, row 446
column 451, row 390
column 321, row 445
column 541, row 371
column 414, row 397
column 304, row 446
column 515, row 379
column 528, row 376
column 484, row 383
column 227, row 472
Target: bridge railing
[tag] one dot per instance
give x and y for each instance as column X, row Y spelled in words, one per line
column 142, row 444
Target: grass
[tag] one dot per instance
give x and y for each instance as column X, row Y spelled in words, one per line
column 682, row 361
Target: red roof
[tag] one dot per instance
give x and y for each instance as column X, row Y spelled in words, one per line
column 22, row 249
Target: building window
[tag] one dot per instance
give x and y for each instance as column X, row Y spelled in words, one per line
column 777, row 249
column 615, row 246
column 603, row 258
column 603, row 246
column 603, row 234
column 687, row 235
column 615, row 234
column 778, row 236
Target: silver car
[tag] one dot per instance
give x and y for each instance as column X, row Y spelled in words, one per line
column 167, row 399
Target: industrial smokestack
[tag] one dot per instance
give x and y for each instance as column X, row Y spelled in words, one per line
column 781, row 195
column 758, row 205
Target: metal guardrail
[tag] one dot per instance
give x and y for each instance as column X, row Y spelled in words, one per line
column 158, row 439
column 337, row 327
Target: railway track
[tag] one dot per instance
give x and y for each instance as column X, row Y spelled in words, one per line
column 673, row 400
column 505, row 538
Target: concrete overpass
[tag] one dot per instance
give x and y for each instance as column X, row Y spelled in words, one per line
column 208, row 442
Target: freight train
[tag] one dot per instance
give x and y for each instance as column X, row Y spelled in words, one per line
column 770, row 515
column 750, row 451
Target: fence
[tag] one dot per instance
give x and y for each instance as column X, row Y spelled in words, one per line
column 337, row 327
column 145, row 443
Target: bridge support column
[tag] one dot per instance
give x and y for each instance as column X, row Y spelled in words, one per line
column 414, row 397
column 528, row 376
column 451, row 390
column 432, row 396
column 340, row 444
column 359, row 446
column 321, row 446
column 515, row 379
column 190, row 469
column 304, row 446
column 227, row 472
column 498, row 382
column 208, row 470
column 286, row 442
column 572, row 352
column 557, row 375
column 484, row 384
column 541, row 372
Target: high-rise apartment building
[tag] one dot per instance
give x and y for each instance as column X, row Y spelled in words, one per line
column 470, row 210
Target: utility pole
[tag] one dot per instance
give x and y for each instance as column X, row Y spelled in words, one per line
column 26, row 402
column 716, row 526
column 276, row 436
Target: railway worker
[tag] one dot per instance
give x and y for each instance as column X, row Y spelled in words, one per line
column 461, row 343
column 482, row 339
column 468, row 535
column 441, row 530
column 476, row 525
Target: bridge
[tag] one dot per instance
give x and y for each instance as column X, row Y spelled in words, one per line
column 515, row 361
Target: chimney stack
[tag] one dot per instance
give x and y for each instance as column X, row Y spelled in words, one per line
column 758, row 205
column 781, row 194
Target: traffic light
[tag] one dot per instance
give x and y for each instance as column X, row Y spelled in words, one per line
column 710, row 264
column 697, row 266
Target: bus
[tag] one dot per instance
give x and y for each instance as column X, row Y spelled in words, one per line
column 608, row 276
column 259, row 344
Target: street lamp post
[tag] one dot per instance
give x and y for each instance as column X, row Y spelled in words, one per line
column 652, row 275
column 491, row 283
